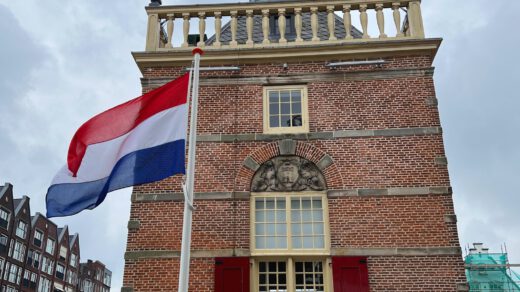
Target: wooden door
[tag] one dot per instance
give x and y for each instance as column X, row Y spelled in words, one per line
column 232, row 274
column 350, row 274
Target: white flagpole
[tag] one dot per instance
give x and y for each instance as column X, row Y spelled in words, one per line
column 184, row 271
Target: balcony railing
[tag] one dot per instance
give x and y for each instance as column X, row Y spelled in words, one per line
column 314, row 22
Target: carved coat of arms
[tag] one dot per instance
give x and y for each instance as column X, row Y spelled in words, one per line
column 288, row 173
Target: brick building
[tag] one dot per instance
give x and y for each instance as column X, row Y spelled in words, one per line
column 320, row 157
column 36, row 255
column 94, row 277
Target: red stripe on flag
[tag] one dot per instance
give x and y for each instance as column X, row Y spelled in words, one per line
column 121, row 119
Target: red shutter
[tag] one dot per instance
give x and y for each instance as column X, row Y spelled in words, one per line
column 232, row 274
column 350, row 274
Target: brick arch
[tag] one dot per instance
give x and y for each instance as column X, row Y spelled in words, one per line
column 256, row 158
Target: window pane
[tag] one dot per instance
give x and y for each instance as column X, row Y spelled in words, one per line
column 316, row 203
column 269, row 216
column 296, row 120
column 307, row 229
column 274, row 121
column 280, row 216
column 318, row 228
column 270, row 229
column 307, row 242
column 295, row 204
column 306, row 203
column 259, row 204
column 296, row 108
column 286, row 108
column 269, row 204
column 260, row 242
column 295, row 216
column 282, row 242
column 285, row 121
column 306, row 216
column 280, row 204
column 262, row 267
column 260, row 216
column 260, row 229
column 281, row 266
column 317, row 216
column 319, row 242
column 273, row 97
column 296, row 229
column 285, row 96
column 274, row 109
column 281, row 229
column 270, row 242
column 296, row 242
column 296, row 95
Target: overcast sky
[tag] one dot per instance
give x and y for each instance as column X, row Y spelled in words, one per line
column 61, row 62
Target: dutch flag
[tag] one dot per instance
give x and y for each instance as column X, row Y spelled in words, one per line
column 140, row 141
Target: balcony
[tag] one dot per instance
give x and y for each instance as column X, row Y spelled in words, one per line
column 288, row 31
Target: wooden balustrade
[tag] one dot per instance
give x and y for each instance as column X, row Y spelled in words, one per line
column 322, row 13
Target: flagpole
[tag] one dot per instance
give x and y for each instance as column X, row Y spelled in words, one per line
column 184, row 271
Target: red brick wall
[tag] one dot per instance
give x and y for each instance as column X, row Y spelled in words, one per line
column 361, row 162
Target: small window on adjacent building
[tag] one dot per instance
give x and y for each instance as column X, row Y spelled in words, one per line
column 38, row 238
column 285, row 110
column 4, row 218
column 60, row 272
column 63, row 252
column 21, row 229
column 49, row 248
column 3, row 243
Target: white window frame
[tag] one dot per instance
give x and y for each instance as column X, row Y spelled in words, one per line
column 304, row 128
column 52, row 243
column 21, row 229
column 63, row 252
column 38, row 235
column 4, row 214
column 19, row 251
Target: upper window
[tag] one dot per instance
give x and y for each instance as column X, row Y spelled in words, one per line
column 38, row 238
column 285, row 109
column 4, row 218
column 63, row 252
column 49, row 248
column 21, row 229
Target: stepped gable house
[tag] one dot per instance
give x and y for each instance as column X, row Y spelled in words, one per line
column 320, row 157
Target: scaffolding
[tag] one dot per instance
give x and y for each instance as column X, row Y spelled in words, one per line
column 490, row 272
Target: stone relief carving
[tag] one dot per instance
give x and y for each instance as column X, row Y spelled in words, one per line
column 288, row 173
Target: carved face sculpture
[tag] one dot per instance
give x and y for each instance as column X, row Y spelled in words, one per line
column 288, row 173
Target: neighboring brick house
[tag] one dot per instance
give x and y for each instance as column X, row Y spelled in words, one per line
column 320, row 157
column 94, row 277
column 36, row 255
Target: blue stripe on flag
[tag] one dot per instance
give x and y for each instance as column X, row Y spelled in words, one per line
column 143, row 166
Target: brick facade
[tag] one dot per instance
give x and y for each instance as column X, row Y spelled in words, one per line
column 375, row 134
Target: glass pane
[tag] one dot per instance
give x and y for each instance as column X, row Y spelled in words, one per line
column 308, row 267
column 274, row 121
column 317, row 216
column 262, row 279
column 299, row 279
column 295, row 204
column 273, row 97
column 306, row 216
column 260, row 229
column 285, row 121
column 296, row 120
column 296, row 96
column 319, row 242
column 270, row 242
column 281, row 266
column 280, row 216
column 269, row 216
column 316, row 203
column 296, row 229
column 318, row 228
column 272, row 279
column 295, row 216
column 307, row 229
column 269, row 204
column 281, row 229
column 280, row 204
column 274, row 109
column 262, row 267
column 282, row 279
column 306, row 203
column 270, row 229
column 299, row 267
column 286, row 108
column 259, row 204
column 318, row 267
column 263, row 289
column 272, row 266
column 307, row 242
column 296, row 242
column 285, row 96
column 260, row 216
column 282, row 242
column 260, row 242
column 296, row 108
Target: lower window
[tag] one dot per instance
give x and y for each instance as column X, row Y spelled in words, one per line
column 291, row 275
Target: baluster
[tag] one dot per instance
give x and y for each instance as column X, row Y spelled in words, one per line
column 380, row 20
column 397, row 19
column 171, row 18
column 265, row 26
column 281, row 25
column 249, row 26
column 152, row 35
column 298, row 24
column 186, row 28
column 314, row 24
column 364, row 20
column 218, row 28
column 347, row 21
column 233, row 41
column 331, row 23
column 202, row 28
column 415, row 20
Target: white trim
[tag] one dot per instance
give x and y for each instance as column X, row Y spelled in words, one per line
column 305, row 110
